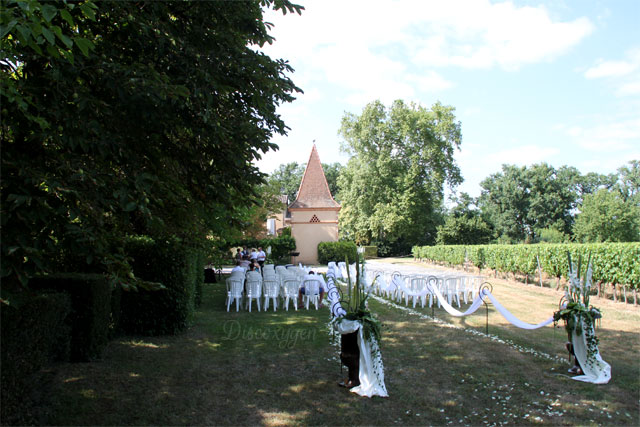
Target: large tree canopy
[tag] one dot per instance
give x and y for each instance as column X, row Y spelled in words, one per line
column 392, row 187
column 129, row 117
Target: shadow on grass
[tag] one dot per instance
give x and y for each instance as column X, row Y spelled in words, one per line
column 266, row 368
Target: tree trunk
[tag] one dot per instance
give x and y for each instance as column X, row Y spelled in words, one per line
column 624, row 293
column 615, row 296
column 598, row 288
column 635, row 296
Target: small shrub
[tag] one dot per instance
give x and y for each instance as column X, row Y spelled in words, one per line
column 336, row 251
column 370, row 252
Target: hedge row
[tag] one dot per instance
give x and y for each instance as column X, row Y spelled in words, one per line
column 615, row 263
column 71, row 317
column 336, row 251
column 166, row 311
column 34, row 334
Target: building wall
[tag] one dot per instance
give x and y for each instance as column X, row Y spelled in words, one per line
column 308, row 234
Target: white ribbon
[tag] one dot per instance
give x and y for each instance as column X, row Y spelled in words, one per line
column 599, row 371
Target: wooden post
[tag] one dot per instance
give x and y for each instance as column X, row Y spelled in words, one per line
column 539, row 270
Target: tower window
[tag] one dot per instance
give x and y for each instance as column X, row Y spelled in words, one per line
column 314, row 219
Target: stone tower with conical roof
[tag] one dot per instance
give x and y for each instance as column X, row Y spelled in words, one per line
column 314, row 213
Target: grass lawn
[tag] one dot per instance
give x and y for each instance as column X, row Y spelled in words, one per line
column 282, row 368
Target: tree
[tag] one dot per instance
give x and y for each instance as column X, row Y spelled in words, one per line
column 133, row 117
column 606, row 217
column 464, row 225
column 522, row 201
column 392, row 187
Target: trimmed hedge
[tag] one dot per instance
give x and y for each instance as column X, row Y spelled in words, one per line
column 90, row 316
column 34, row 334
column 615, row 263
column 166, row 311
column 336, row 251
column 370, row 252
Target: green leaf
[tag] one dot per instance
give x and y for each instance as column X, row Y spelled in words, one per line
column 88, row 11
column 5, row 29
column 66, row 16
column 51, row 38
column 84, row 45
column 25, row 32
column 49, row 12
column 130, row 206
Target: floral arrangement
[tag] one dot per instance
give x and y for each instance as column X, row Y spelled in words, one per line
column 577, row 311
column 356, row 306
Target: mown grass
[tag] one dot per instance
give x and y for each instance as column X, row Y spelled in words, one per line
column 282, row 369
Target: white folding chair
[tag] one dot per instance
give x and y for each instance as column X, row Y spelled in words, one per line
column 235, row 286
column 271, row 289
column 311, row 292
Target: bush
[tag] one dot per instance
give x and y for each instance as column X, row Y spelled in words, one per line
column 370, row 252
column 165, row 311
column 336, row 251
column 34, row 334
column 90, row 310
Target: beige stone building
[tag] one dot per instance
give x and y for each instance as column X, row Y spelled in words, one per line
column 314, row 213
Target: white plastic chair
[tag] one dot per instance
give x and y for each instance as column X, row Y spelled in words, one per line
column 419, row 284
column 291, row 286
column 452, row 289
column 235, row 287
column 254, row 291
column 311, row 292
column 271, row 289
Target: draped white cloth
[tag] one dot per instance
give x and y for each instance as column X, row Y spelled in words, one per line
column 371, row 372
column 513, row 319
column 599, row 372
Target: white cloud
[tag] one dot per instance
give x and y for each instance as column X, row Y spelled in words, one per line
column 615, row 68
column 621, row 136
column 387, row 49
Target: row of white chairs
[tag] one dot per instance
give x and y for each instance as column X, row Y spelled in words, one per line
column 273, row 284
column 418, row 285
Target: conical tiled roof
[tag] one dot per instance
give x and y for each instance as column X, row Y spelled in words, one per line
column 314, row 190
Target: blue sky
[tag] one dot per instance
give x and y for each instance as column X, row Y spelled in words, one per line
column 555, row 81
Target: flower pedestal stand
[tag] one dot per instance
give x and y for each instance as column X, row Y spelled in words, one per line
column 350, row 357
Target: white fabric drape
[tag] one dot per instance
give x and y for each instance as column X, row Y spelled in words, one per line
column 599, row 372
column 371, row 373
column 513, row 319
column 449, row 308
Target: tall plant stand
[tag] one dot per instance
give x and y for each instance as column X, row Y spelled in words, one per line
column 350, row 357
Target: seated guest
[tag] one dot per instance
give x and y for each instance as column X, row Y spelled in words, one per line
column 254, row 266
column 238, row 267
column 238, row 255
column 320, row 288
column 245, row 262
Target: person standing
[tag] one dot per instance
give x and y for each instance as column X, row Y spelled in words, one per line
column 261, row 257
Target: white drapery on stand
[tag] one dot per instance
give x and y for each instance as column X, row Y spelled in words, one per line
column 598, row 372
column 371, row 370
